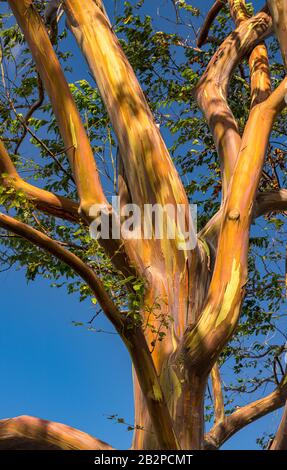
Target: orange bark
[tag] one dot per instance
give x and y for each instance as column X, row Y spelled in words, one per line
column 76, row 142
column 202, row 289
column 29, row 433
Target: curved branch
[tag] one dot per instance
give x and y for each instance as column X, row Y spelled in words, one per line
column 71, row 127
column 203, row 342
column 29, row 433
column 212, row 90
column 129, row 331
column 210, row 17
column 46, row 201
column 222, row 431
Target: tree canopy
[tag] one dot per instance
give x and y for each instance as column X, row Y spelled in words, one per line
column 171, row 48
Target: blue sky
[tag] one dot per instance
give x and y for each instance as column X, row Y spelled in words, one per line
column 54, row 370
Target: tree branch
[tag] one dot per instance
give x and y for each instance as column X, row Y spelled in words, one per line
column 266, row 202
column 212, row 90
column 271, row 201
column 46, row 201
column 38, row 103
column 203, row 342
column 258, row 60
column 280, row 440
column 29, row 433
column 260, row 75
column 238, row 11
column 131, row 334
column 218, row 401
column 233, row 423
column 278, row 10
column 72, row 130
column 210, row 17
column 151, row 174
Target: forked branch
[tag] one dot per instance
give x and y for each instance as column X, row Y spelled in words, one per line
column 203, row 342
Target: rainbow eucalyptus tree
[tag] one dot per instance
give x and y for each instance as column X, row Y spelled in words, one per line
column 213, row 87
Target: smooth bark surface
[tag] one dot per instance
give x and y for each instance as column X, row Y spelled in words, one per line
column 199, row 291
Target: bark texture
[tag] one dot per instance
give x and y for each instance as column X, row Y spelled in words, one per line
column 198, row 292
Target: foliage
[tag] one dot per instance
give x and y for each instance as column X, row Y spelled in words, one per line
column 168, row 65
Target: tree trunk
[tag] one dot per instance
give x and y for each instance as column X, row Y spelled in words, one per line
column 183, row 388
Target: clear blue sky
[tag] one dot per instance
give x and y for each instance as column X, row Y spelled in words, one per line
column 53, row 370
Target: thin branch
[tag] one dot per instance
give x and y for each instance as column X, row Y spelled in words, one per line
column 27, row 129
column 258, row 60
column 38, row 103
column 238, row 11
column 209, row 19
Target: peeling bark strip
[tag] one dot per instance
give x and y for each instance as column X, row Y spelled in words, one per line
column 72, row 130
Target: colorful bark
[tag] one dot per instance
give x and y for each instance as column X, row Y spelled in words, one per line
column 76, row 142
column 199, row 290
